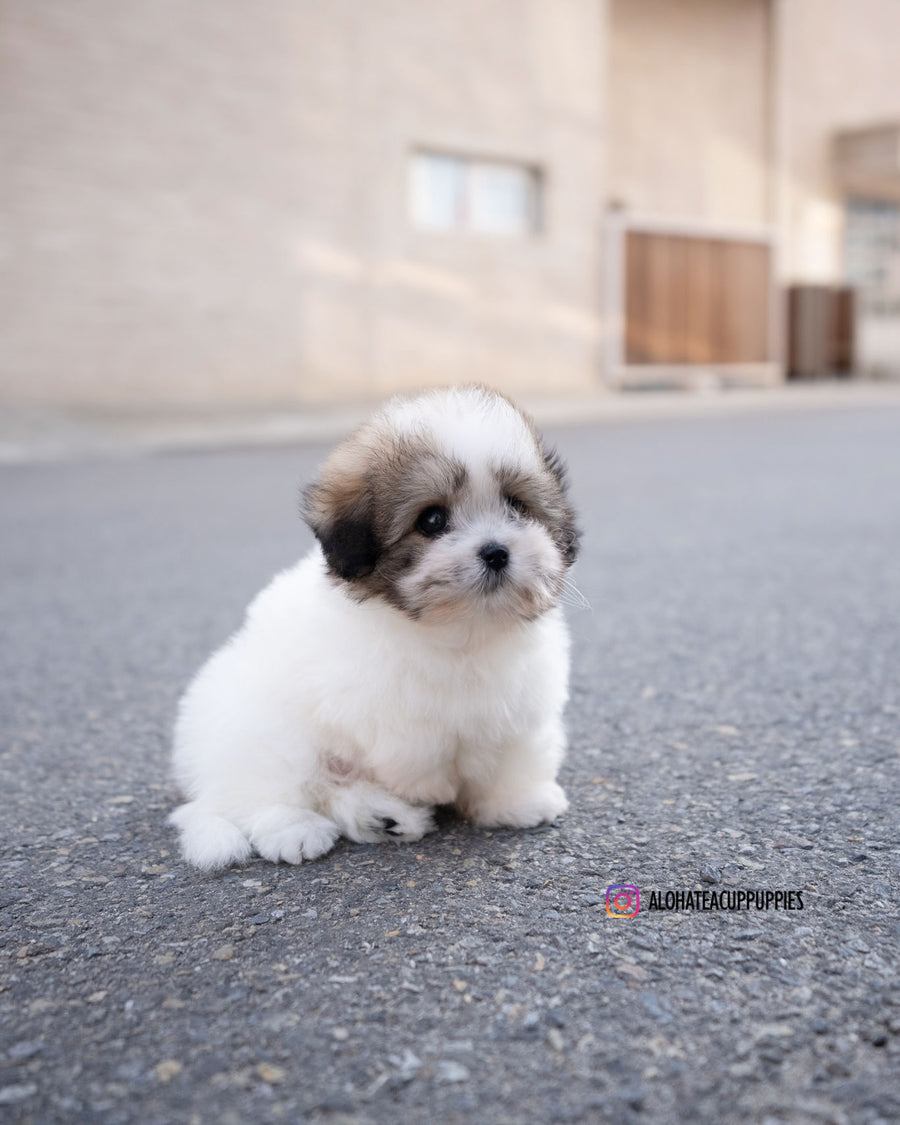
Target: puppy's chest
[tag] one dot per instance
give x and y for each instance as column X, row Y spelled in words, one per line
column 425, row 736
column 465, row 699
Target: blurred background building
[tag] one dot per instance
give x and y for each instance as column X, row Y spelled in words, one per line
column 218, row 203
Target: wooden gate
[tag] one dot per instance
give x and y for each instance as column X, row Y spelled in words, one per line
column 821, row 331
column 691, row 300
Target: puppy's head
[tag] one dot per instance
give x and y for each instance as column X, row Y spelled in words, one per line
column 447, row 506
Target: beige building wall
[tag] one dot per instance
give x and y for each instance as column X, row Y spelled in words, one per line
column 841, row 71
column 206, row 203
column 689, row 109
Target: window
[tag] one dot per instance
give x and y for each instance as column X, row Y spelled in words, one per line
column 872, row 245
column 453, row 193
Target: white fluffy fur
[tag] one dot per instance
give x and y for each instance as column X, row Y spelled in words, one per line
column 328, row 716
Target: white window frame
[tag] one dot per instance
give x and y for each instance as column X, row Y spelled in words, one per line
column 471, row 170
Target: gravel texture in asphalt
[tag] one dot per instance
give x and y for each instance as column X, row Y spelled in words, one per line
column 735, row 726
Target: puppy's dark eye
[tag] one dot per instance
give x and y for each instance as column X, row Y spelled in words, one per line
column 517, row 505
column 432, row 521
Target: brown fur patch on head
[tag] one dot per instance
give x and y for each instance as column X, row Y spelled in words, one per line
column 338, row 509
column 364, row 505
column 544, row 498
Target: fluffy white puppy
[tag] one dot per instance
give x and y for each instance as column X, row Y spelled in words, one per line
column 417, row 656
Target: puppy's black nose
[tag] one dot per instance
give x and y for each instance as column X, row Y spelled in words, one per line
column 495, row 556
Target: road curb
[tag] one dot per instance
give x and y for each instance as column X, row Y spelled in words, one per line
column 29, row 436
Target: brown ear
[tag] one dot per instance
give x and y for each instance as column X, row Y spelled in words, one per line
column 566, row 531
column 339, row 509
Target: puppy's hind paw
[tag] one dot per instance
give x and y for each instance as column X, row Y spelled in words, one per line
column 400, row 822
column 369, row 814
column 413, row 823
column 283, row 834
column 209, row 841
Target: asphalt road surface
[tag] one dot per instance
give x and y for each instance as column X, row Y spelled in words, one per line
column 735, row 726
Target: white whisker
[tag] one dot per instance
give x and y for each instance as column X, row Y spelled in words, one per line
column 572, row 596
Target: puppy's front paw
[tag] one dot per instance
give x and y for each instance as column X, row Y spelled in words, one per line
column 540, row 805
column 284, row 834
column 209, row 841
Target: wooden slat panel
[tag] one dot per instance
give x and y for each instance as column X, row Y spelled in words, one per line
column 636, row 348
column 750, row 281
column 809, row 335
column 657, row 313
column 679, row 270
column 842, row 357
column 699, row 291
column 820, row 330
column 729, row 306
column 695, row 300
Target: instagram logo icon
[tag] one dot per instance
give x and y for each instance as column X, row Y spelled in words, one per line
column 622, row 901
